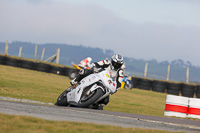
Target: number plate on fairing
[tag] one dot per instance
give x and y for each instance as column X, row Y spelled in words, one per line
column 107, row 80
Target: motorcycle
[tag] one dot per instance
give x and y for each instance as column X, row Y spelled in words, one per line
column 126, row 83
column 91, row 92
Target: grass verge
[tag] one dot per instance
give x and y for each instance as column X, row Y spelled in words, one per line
column 25, row 124
column 46, row 87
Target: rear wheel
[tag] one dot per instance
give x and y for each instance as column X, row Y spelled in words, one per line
column 97, row 107
column 62, row 99
column 128, row 86
column 90, row 99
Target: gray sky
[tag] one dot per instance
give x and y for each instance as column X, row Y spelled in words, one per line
column 142, row 29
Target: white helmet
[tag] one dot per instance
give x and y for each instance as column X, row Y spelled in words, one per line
column 89, row 59
column 117, row 61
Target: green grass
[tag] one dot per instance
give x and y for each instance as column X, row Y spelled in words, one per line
column 138, row 102
column 25, row 124
column 28, row 84
column 46, row 87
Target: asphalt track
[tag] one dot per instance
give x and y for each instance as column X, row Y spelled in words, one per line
column 51, row 112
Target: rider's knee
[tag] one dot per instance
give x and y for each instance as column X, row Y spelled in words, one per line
column 82, row 72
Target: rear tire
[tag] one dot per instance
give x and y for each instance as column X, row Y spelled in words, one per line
column 97, row 107
column 128, row 86
column 86, row 103
column 62, row 99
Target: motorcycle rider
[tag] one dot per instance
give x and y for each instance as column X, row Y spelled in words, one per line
column 85, row 63
column 113, row 66
column 126, row 80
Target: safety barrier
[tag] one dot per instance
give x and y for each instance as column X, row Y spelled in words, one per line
column 43, row 67
column 37, row 65
column 28, row 64
column 159, row 86
column 176, row 106
column 145, row 84
column 174, row 88
column 169, row 87
column 187, row 90
column 198, row 91
column 180, row 106
column 134, row 81
column 194, row 108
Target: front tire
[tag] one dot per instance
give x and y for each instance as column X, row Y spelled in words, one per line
column 72, row 74
column 62, row 99
column 91, row 99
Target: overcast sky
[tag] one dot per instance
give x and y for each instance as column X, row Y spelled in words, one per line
column 142, row 29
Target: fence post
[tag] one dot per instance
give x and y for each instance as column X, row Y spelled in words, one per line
column 168, row 72
column 57, row 55
column 42, row 56
column 6, row 48
column 35, row 52
column 145, row 69
column 20, row 51
column 187, row 75
column 53, row 56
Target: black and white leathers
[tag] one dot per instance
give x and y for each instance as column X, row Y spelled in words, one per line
column 117, row 75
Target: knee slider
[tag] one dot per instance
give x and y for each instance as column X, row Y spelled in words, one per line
column 82, row 71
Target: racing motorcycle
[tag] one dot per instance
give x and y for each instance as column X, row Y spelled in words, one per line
column 126, row 82
column 91, row 92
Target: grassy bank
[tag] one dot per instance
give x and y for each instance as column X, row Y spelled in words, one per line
column 45, row 87
column 24, row 124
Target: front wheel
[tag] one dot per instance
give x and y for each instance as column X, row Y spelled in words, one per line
column 90, row 99
column 72, row 74
column 62, row 99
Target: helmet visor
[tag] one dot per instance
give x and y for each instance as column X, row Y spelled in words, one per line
column 116, row 65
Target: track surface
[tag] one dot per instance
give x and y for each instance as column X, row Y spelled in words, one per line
column 50, row 112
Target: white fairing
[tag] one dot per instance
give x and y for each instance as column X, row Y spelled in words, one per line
column 104, row 77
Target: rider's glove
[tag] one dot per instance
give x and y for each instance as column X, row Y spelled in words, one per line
column 95, row 69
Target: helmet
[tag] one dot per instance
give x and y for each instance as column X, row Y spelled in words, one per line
column 89, row 59
column 117, row 61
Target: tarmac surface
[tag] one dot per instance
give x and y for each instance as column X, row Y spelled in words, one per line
column 51, row 112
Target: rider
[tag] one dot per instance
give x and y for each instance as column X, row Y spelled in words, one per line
column 113, row 66
column 125, row 80
column 85, row 63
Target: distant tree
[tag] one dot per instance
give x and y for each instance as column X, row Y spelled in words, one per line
column 75, row 53
column 153, row 61
column 178, row 63
column 188, row 64
column 164, row 63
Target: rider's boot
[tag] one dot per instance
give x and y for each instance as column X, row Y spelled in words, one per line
column 82, row 73
column 73, row 82
column 122, row 85
column 76, row 80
